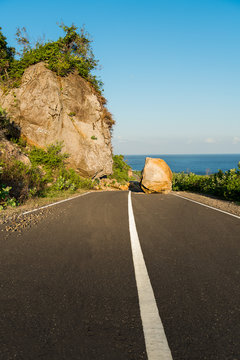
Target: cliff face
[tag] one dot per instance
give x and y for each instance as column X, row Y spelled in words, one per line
column 49, row 108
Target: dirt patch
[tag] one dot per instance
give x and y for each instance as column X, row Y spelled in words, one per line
column 225, row 205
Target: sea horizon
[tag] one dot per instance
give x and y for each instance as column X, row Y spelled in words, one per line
column 179, row 154
column 200, row 164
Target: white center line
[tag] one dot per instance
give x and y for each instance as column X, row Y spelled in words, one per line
column 155, row 338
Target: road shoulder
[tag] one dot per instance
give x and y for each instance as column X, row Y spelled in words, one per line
column 224, row 205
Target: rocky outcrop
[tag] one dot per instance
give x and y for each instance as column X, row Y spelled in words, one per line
column 9, row 150
column 50, row 109
column 156, row 176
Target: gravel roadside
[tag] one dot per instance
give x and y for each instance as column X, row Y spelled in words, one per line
column 14, row 220
column 225, row 205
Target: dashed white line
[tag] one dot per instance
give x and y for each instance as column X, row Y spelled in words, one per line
column 155, row 338
column 210, row 207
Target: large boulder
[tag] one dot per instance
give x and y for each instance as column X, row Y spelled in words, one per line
column 49, row 109
column 156, row 176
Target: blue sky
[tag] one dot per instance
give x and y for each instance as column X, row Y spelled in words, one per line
column 171, row 69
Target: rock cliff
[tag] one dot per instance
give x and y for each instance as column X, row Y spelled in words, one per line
column 10, row 150
column 50, row 109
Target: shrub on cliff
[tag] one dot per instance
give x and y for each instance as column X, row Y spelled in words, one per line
column 68, row 179
column 53, row 161
column 6, row 56
column 51, row 158
column 70, row 53
column 120, row 169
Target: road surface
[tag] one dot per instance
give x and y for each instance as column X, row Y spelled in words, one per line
column 74, row 286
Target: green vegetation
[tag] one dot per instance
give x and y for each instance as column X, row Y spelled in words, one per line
column 120, row 169
column 5, row 198
column 69, row 179
column 6, row 57
column 93, row 137
column 70, row 53
column 224, row 185
column 23, row 181
column 138, row 173
column 46, row 176
column 50, row 159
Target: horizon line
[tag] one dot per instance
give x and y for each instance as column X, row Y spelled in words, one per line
column 178, row 154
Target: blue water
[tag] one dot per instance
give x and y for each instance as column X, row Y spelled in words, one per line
column 198, row 164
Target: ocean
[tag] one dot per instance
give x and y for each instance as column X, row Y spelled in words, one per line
column 198, row 164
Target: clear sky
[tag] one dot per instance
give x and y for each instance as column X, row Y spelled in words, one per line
column 171, row 68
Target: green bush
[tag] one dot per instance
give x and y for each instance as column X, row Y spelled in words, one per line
column 21, row 142
column 225, row 185
column 46, row 176
column 6, row 56
column 50, row 159
column 69, row 179
column 63, row 184
column 120, row 169
column 74, row 179
column 22, row 180
column 5, row 198
column 70, row 53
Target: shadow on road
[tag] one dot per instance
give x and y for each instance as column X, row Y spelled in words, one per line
column 134, row 186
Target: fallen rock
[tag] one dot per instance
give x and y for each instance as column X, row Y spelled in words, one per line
column 156, row 176
column 110, row 185
column 50, row 109
column 124, row 187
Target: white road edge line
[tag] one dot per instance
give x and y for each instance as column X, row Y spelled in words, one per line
column 155, row 338
column 210, row 207
column 52, row 204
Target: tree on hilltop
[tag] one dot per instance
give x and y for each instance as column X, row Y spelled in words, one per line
column 69, row 53
column 6, row 56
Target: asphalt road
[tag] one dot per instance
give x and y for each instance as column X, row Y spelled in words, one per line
column 68, row 287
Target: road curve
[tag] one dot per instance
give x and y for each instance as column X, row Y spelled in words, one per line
column 68, row 287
